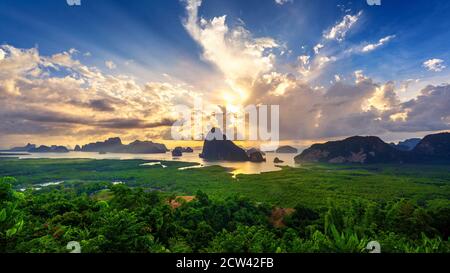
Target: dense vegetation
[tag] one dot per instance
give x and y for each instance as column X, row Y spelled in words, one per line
column 310, row 185
column 337, row 209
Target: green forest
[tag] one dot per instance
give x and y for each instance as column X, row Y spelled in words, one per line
column 145, row 213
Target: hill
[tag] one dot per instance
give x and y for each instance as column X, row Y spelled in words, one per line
column 366, row 150
column 433, row 148
column 352, row 150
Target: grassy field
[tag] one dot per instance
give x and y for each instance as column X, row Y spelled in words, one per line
column 312, row 185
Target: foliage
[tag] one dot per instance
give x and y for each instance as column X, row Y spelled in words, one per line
column 141, row 220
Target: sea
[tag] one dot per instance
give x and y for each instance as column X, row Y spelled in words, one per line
column 234, row 167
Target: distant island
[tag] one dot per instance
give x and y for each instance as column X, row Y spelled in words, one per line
column 49, row 149
column 115, row 145
column 32, row 148
column 26, row 148
column 112, row 145
column 368, row 150
column 286, row 150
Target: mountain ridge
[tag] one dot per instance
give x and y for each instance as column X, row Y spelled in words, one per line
column 371, row 149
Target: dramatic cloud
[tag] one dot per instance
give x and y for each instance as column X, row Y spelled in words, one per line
column 435, row 65
column 234, row 51
column 58, row 96
column 430, row 111
column 381, row 42
column 308, row 111
column 365, row 108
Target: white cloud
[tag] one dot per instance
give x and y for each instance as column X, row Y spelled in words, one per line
column 381, row 42
column 110, row 65
column 2, row 54
column 73, row 51
column 339, row 31
column 282, row 2
column 304, row 59
column 317, row 48
column 435, row 65
column 305, row 67
column 64, row 59
column 323, row 60
column 359, row 76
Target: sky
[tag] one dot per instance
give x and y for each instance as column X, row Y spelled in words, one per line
column 75, row 74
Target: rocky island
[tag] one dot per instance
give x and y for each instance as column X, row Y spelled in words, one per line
column 115, row 145
column 49, row 149
column 286, row 150
column 217, row 147
column 177, row 152
column 32, row 148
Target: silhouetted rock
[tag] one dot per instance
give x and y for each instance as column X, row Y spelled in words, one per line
column 253, row 150
column 111, row 145
column 178, row 151
column 434, row 148
column 188, row 150
column 257, row 157
column 217, row 147
column 352, row 150
column 77, row 148
column 26, row 148
column 114, row 145
column 277, row 160
column 144, row 147
column 286, row 150
column 47, row 149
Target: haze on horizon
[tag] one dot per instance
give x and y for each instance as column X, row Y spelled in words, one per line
column 74, row 75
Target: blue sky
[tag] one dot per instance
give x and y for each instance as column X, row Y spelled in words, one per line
column 151, row 32
column 301, row 54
